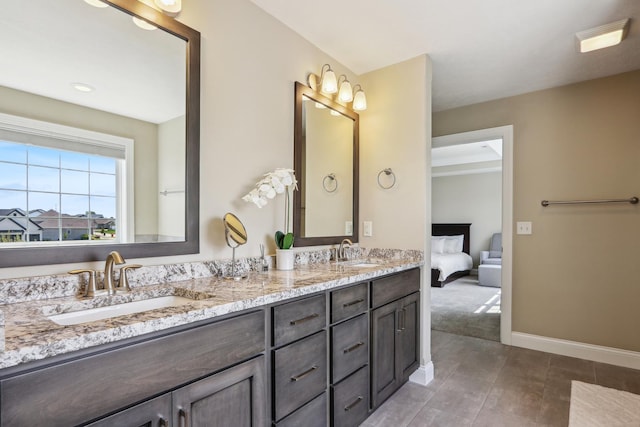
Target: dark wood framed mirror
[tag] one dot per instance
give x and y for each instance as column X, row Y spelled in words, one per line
column 184, row 238
column 326, row 150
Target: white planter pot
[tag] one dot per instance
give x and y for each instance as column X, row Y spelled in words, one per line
column 285, row 259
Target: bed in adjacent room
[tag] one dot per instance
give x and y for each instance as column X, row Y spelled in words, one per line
column 450, row 257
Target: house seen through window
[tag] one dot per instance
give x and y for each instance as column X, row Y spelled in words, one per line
column 49, row 194
column 62, row 184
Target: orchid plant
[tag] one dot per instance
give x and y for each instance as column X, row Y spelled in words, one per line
column 277, row 182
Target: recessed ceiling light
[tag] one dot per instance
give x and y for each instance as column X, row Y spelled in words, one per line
column 144, row 24
column 82, row 87
column 96, row 3
column 603, row 36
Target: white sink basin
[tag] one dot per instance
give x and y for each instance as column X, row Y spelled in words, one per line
column 100, row 313
column 362, row 263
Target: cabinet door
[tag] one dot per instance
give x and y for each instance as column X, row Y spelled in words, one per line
column 409, row 336
column 233, row 397
column 152, row 413
column 384, row 343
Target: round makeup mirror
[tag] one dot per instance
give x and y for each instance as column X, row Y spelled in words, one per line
column 234, row 231
column 236, row 235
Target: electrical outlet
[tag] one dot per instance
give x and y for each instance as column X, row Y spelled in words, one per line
column 368, row 228
column 524, row 227
column 348, row 228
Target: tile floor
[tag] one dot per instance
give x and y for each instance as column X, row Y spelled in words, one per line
column 484, row 383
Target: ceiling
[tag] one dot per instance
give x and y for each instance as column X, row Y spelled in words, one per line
column 481, row 50
column 48, row 45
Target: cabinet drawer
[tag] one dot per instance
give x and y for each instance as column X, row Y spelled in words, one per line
column 300, row 373
column 313, row 414
column 350, row 400
column 298, row 319
column 349, row 347
column 393, row 287
column 348, row 302
column 77, row 391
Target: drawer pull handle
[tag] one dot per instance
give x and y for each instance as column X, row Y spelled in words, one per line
column 304, row 319
column 182, row 418
column 353, row 347
column 162, row 422
column 354, row 403
column 304, row 374
column 354, row 302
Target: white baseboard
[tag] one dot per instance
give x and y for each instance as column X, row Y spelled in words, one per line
column 423, row 375
column 596, row 353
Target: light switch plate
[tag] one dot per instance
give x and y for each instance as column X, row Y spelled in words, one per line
column 524, row 227
column 368, row 228
column 348, row 228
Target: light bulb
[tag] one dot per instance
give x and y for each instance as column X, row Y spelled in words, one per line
column 96, row 3
column 346, row 93
column 329, row 81
column 359, row 101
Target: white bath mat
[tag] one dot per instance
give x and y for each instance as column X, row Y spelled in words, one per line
column 594, row 406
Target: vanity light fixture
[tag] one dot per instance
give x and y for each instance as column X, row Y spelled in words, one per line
column 169, row 7
column 345, row 94
column 603, row 36
column 143, row 24
column 96, row 3
column 328, row 82
column 359, row 99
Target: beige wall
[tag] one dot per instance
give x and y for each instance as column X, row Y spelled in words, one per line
column 395, row 134
column 474, row 198
column 575, row 277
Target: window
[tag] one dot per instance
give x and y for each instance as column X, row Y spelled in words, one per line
column 61, row 184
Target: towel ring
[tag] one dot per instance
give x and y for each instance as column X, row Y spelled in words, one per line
column 332, row 178
column 387, row 172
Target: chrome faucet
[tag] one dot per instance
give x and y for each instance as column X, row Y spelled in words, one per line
column 113, row 258
column 341, row 255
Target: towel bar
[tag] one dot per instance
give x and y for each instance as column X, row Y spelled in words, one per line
column 545, row 203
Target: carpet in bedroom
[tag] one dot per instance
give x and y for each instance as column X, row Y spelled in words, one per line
column 463, row 307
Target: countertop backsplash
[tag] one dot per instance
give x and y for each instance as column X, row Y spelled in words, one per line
column 65, row 285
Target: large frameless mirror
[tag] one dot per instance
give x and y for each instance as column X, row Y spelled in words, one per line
column 326, row 164
column 99, row 132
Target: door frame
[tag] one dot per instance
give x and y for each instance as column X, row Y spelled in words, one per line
column 506, row 134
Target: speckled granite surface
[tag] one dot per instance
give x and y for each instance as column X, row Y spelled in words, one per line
column 30, row 335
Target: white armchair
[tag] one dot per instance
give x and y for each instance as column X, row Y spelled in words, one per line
column 494, row 255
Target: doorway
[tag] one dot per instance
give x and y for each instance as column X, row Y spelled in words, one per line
column 476, row 140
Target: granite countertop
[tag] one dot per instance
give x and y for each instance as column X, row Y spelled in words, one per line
column 30, row 335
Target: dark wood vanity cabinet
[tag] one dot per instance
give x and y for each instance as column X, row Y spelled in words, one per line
column 327, row 359
column 218, row 363
column 394, row 333
column 233, row 397
column 299, row 358
column 152, row 413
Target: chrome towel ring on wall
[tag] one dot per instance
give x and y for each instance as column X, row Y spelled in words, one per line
column 387, row 172
column 330, row 181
